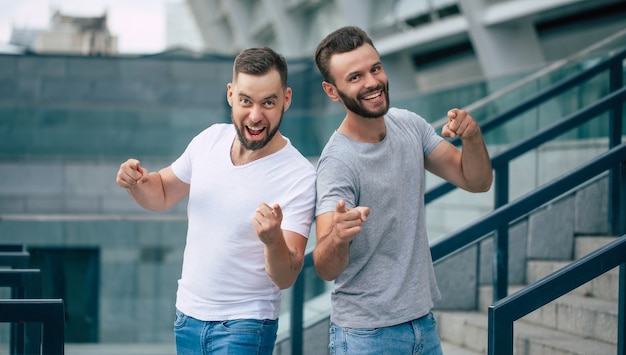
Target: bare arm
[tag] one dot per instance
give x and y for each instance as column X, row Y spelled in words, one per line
column 469, row 168
column 334, row 232
column 284, row 250
column 156, row 191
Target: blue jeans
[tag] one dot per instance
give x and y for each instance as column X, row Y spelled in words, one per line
column 239, row 336
column 418, row 336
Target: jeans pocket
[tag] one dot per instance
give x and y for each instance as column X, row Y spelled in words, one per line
column 243, row 326
column 362, row 332
column 181, row 319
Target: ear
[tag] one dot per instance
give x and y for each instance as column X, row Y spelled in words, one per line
column 330, row 90
column 229, row 94
column 288, row 94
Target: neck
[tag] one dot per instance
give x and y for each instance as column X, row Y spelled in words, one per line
column 361, row 129
column 239, row 155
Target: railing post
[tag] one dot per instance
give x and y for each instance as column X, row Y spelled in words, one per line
column 617, row 208
column 297, row 309
column 621, row 316
column 617, row 197
column 500, row 333
column 14, row 257
column 501, row 238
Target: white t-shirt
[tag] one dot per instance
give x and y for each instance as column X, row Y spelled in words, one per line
column 223, row 275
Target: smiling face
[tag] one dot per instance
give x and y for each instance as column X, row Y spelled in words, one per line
column 360, row 82
column 258, row 103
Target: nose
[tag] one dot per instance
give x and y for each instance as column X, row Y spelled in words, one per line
column 256, row 114
column 370, row 81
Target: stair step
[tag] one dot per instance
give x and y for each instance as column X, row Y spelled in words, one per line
column 531, row 339
column 586, row 244
column 468, row 330
column 584, row 321
column 606, row 286
column 453, row 349
column 589, row 317
column 581, row 316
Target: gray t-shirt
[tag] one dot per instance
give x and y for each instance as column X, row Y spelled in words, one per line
column 390, row 277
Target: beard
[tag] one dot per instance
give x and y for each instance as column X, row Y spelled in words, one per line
column 255, row 144
column 355, row 105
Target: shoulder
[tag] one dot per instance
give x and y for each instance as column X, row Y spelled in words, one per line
column 337, row 145
column 217, row 129
column 215, row 133
column 403, row 115
column 295, row 160
column 339, row 154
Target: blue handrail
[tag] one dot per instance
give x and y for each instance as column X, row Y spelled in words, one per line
column 503, row 313
column 24, row 284
column 611, row 104
column 49, row 312
column 502, row 216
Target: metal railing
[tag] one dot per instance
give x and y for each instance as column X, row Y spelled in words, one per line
column 611, row 103
column 503, row 313
column 24, row 284
column 49, row 312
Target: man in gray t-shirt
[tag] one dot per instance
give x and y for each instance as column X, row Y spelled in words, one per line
column 371, row 233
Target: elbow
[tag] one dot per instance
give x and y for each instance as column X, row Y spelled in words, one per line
column 284, row 285
column 285, row 281
column 324, row 273
column 488, row 181
column 321, row 271
column 485, row 185
column 481, row 185
column 325, row 276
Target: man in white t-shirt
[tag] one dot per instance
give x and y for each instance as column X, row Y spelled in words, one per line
column 251, row 204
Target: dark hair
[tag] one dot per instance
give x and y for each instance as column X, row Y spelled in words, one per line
column 342, row 40
column 259, row 61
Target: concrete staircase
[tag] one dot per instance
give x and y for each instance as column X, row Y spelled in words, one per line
column 583, row 321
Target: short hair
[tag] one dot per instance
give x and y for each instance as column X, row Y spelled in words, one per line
column 343, row 40
column 259, row 61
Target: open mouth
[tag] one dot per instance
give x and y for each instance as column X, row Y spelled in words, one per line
column 255, row 132
column 372, row 96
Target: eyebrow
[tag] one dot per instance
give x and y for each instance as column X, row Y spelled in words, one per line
column 377, row 64
column 272, row 96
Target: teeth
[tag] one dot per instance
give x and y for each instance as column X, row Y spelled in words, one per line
column 372, row 96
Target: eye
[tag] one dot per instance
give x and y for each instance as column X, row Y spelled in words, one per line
column 244, row 101
column 269, row 103
column 354, row 77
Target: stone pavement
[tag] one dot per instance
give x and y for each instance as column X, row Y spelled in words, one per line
column 120, row 349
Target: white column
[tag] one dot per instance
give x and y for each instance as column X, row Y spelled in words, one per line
column 501, row 48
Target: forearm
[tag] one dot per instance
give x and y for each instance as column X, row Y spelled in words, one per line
column 476, row 164
column 331, row 258
column 283, row 264
column 149, row 194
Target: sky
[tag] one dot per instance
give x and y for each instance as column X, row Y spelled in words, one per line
column 138, row 24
